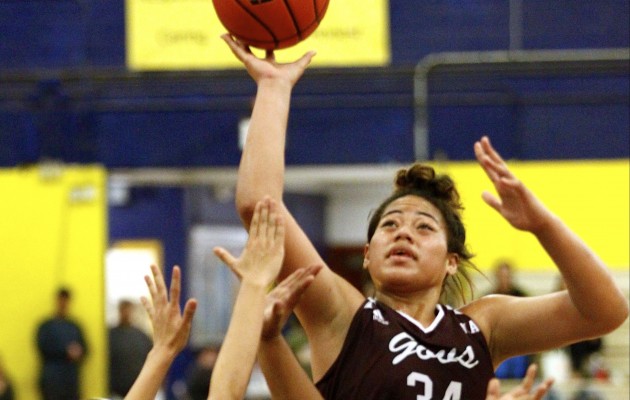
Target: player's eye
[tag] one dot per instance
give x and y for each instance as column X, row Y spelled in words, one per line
column 425, row 226
column 388, row 223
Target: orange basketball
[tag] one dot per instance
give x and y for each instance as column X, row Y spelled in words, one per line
column 270, row 24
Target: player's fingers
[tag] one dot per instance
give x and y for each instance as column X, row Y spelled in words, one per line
column 255, row 223
column 278, row 222
column 491, row 200
column 264, row 224
column 239, row 49
column 499, row 165
column 485, row 162
column 490, row 150
column 147, row 306
column 494, row 389
column 542, row 389
column 306, row 59
column 150, row 281
column 290, row 281
column 528, row 381
column 227, row 258
column 299, row 285
column 189, row 311
column 176, row 285
column 272, row 219
column 158, row 281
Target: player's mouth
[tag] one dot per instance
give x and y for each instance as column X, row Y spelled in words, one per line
column 402, row 253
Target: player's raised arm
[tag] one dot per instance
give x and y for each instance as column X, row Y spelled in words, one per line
column 593, row 304
column 329, row 304
column 257, row 267
column 170, row 332
column 285, row 377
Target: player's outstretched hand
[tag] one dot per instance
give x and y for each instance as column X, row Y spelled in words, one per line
column 267, row 68
column 170, row 326
column 516, row 203
column 281, row 301
column 170, row 332
column 262, row 257
column 523, row 391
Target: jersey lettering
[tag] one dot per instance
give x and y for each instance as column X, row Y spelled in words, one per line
column 406, row 345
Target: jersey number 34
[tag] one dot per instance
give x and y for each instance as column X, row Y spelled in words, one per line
column 453, row 392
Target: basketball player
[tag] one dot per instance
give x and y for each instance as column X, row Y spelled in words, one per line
column 257, row 267
column 404, row 343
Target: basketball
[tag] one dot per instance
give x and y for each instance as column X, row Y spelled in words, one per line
column 270, row 24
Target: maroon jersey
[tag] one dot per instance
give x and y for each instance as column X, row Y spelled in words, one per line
column 387, row 355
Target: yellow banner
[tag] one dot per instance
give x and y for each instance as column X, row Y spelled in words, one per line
column 185, row 35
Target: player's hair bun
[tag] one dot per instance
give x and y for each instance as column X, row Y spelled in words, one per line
column 422, row 178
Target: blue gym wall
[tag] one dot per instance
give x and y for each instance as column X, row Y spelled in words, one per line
column 65, row 95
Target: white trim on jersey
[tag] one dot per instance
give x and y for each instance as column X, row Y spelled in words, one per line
column 434, row 324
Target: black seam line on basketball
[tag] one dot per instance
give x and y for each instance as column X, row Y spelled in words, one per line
column 275, row 39
column 295, row 23
column 317, row 16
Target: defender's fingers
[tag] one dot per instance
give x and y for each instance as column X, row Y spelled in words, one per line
column 227, row 258
column 494, row 389
column 273, row 221
column 542, row 389
column 189, row 311
column 254, row 226
column 176, row 286
column 264, row 224
column 147, row 306
column 158, row 281
column 151, row 286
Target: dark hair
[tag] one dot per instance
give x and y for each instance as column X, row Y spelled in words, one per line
column 420, row 180
column 64, row 292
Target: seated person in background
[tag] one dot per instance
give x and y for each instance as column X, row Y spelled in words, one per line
column 6, row 388
column 199, row 373
column 504, row 280
column 515, row 367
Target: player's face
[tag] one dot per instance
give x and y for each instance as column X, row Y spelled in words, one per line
column 408, row 251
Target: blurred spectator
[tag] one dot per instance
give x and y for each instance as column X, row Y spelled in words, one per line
column 6, row 388
column 128, row 348
column 504, row 282
column 62, row 347
column 515, row 367
column 199, row 373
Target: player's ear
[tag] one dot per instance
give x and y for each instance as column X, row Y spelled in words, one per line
column 366, row 256
column 452, row 263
